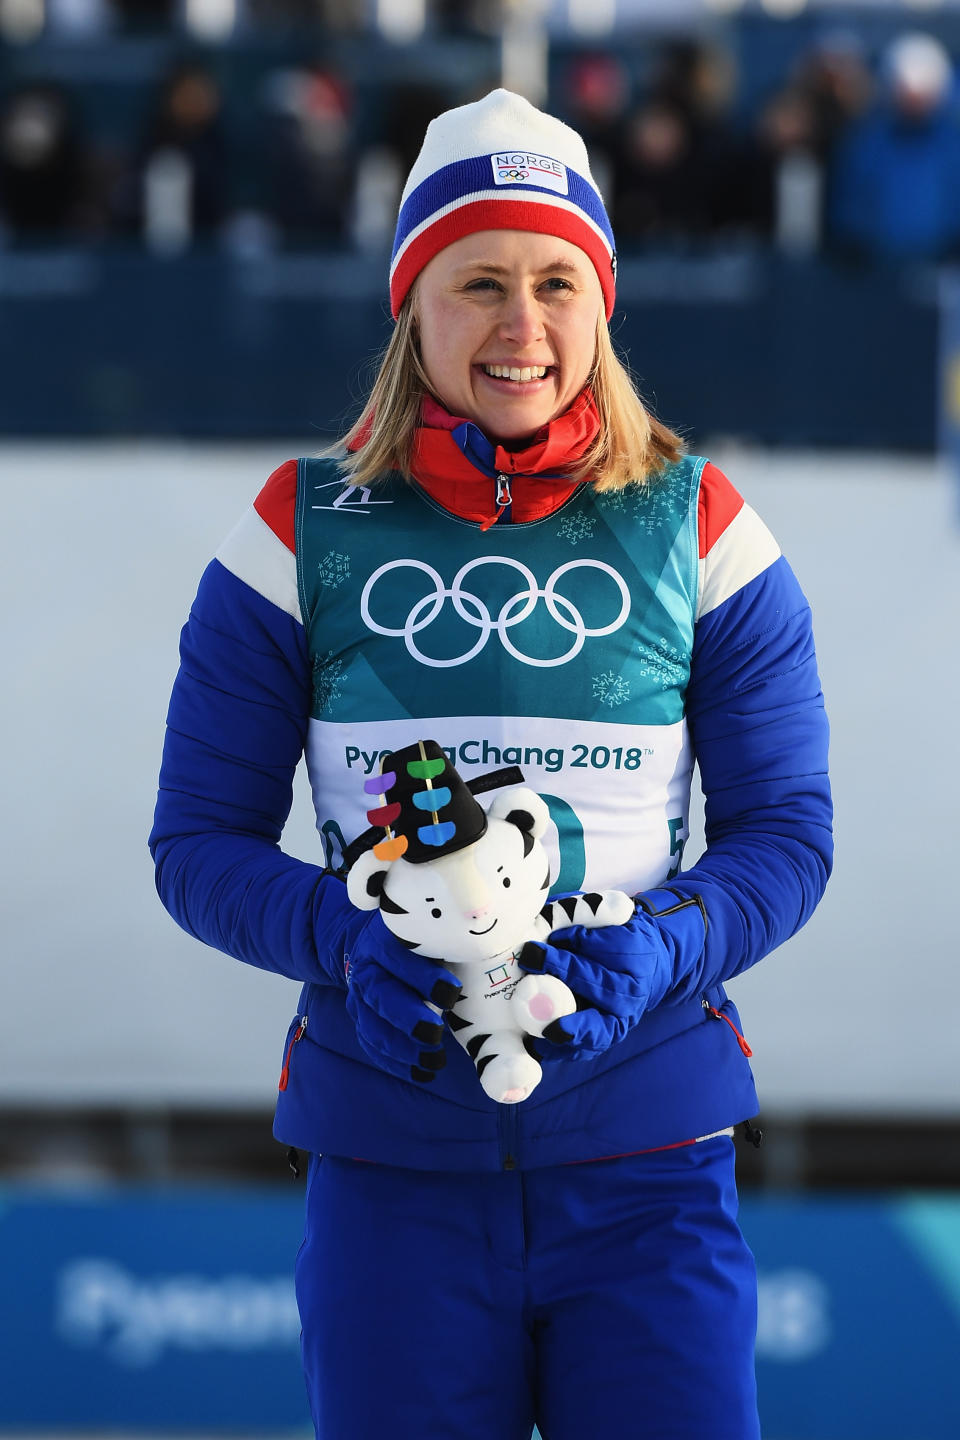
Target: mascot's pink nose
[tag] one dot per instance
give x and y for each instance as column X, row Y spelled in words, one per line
column 478, row 913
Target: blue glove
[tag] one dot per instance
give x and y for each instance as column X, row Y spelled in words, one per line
column 387, row 992
column 617, row 972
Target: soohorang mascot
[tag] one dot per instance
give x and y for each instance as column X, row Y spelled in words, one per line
column 469, row 888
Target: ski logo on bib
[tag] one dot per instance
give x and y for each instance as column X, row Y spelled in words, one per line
column 351, row 497
column 476, row 616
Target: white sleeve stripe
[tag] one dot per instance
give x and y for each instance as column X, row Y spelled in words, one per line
column 744, row 550
column 256, row 556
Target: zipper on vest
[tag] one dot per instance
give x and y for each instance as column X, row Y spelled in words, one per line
column 508, row 1136
column 719, row 1015
column 503, row 499
column 285, row 1072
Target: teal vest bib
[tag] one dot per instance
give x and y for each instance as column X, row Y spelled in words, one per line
column 562, row 646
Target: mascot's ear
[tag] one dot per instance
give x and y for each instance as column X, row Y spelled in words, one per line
column 365, row 881
column 522, row 808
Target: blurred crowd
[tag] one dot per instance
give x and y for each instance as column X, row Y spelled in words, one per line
column 845, row 156
column 853, row 154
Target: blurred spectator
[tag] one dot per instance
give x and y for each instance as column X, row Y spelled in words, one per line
column 797, row 131
column 895, row 184
column 177, row 187
column 47, row 181
column 661, row 189
column 407, row 109
column 787, row 189
column 836, row 80
column 468, row 17
column 146, row 14
column 700, row 79
column 594, row 99
column 331, row 15
column 308, row 162
column 682, row 170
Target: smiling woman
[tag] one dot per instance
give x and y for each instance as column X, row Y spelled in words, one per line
column 495, row 307
column 431, row 355
column 505, row 262
column 511, row 554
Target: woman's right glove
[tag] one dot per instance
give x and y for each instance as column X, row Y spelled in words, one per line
column 395, row 998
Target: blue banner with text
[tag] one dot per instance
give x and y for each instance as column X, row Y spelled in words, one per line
column 174, row 1310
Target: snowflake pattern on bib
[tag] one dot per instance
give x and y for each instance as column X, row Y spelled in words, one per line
column 611, row 689
column 648, row 504
column 664, row 663
column 328, row 681
column 333, row 569
column 576, row 528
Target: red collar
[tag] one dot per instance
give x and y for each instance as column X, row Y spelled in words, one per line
column 443, row 467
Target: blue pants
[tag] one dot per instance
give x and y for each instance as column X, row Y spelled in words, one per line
column 601, row 1301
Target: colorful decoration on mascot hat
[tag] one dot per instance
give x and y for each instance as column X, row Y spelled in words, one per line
column 413, row 783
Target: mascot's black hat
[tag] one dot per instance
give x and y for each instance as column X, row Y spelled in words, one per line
column 426, row 808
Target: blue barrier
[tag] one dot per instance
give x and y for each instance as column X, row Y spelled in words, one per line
column 859, row 1317
column 747, row 344
column 150, row 1310
column 174, row 1310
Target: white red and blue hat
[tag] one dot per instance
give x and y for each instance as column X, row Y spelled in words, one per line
column 499, row 164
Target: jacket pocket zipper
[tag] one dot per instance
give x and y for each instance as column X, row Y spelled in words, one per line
column 719, row 1015
column 285, row 1072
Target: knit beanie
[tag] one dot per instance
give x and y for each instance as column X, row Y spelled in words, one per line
column 499, row 164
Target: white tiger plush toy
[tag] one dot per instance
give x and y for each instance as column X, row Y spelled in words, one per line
column 473, row 905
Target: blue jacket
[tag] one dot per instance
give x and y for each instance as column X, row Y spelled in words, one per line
column 894, row 188
column 735, row 686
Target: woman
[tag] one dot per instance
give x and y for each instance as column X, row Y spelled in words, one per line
column 511, row 557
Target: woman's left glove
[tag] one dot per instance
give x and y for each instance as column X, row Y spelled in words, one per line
column 617, row 972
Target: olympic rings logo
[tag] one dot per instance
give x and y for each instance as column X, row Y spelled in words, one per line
column 514, row 174
column 472, row 610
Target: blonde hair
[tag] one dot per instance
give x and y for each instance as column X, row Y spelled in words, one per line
column 630, row 447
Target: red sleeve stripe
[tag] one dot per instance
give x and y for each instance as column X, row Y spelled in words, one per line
column 276, row 504
column 719, row 504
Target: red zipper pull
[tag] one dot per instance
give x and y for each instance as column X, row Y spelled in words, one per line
column 719, row 1015
column 285, row 1072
